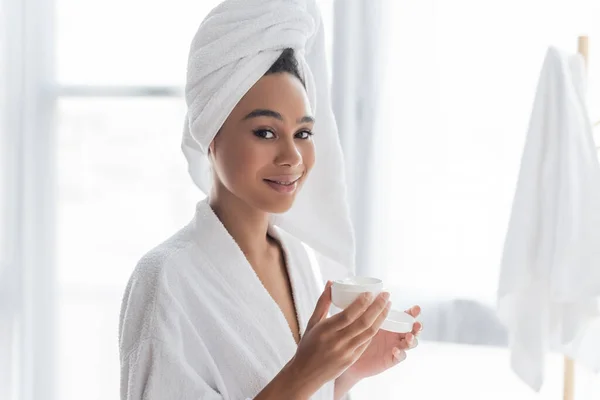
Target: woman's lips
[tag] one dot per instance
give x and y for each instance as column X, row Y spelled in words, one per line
column 284, row 178
column 283, row 183
column 283, row 188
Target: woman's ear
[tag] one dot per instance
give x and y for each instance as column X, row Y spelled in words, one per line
column 212, row 145
column 211, row 148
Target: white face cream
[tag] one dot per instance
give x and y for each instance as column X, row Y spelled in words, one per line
column 345, row 291
column 398, row 321
column 359, row 283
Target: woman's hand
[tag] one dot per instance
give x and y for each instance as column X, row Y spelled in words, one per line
column 331, row 345
column 385, row 351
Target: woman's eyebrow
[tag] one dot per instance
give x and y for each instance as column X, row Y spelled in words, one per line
column 274, row 114
column 306, row 119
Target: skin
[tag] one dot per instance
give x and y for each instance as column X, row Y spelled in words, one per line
column 267, row 135
column 241, row 161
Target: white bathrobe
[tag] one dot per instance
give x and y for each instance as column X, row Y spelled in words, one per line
column 550, row 279
column 197, row 323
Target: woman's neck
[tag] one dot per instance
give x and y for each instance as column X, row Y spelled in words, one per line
column 247, row 225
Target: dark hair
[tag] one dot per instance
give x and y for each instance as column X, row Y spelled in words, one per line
column 286, row 63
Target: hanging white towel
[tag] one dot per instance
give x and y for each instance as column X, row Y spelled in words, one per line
column 197, row 323
column 550, row 277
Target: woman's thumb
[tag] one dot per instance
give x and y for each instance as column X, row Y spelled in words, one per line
column 322, row 307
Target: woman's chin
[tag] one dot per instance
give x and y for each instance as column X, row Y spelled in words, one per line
column 277, row 200
column 278, row 206
column 275, row 203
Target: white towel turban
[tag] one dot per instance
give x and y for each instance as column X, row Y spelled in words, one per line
column 234, row 47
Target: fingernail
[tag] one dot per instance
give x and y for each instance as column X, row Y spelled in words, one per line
column 385, row 295
column 368, row 295
column 398, row 355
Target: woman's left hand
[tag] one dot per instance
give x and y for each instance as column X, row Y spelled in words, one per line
column 386, row 350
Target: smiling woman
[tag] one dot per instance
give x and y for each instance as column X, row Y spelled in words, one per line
column 270, row 144
column 103, row 144
column 118, row 163
column 196, row 306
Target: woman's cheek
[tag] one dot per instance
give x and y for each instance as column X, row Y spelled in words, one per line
column 308, row 156
column 248, row 164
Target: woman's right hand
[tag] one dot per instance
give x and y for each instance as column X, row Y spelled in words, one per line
column 331, row 345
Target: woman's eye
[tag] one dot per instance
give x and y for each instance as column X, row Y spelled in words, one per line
column 264, row 133
column 304, row 134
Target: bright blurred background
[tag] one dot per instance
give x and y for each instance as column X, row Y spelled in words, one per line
column 433, row 99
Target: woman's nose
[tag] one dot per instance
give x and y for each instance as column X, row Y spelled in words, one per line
column 288, row 154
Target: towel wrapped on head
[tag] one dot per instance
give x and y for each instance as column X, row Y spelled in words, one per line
column 234, row 47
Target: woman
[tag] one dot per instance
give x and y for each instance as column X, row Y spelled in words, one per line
column 229, row 307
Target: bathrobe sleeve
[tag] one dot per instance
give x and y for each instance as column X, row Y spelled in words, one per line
column 156, row 337
column 156, row 370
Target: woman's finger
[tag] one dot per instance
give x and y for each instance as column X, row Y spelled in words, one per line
column 369, row 317
column 361, row 349
column 411, row 344
column 360, row 334
column 399, row 355
column 408, row 342
column 415, row 343
column 417, row 328
column 352, row 312
column 322, row 307
column 414, row 311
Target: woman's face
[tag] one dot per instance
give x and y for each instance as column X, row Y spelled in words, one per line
column 264, row 150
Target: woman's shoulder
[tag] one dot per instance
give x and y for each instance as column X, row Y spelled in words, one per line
column 166, row 252
column 152, row 277
column 155, row 264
